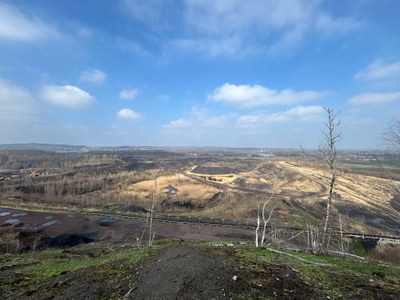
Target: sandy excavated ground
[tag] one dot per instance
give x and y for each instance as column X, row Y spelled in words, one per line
column 220, row 178
column 187, row 188
column 300, row 195
column 361, row 189
column 363, row 199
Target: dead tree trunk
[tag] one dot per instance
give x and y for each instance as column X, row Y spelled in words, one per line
column 329, row 154
column 258, row 226
column 265, row 221
column 392, row 138
column 153, row 204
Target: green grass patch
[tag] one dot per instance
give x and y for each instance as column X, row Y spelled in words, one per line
column 53, row 263
column 110, row 263
column 343, row 264
column 251, row 252
column 330, row 275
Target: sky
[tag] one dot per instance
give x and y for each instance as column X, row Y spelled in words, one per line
column 229, row 73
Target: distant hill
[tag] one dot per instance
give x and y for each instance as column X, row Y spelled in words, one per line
column 43, row 147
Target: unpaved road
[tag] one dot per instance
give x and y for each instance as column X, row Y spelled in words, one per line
column 185, row 273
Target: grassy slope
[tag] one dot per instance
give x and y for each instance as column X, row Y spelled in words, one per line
column 108, row 272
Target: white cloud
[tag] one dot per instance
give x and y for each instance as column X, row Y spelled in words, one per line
column 199, row 120
column 16, row 103
column 128, row 114
column 298, row 113
column 379, row 70
column 94, row 76
column 374, row 99
column 15, row 25
column 327, row 25
column 230, row 46
column 132, row 46
column 149, row 11
column 126, row 94
column 177, row 124
column 233, row 27
column 257, row 95
column 223, row 18
column 67, row 96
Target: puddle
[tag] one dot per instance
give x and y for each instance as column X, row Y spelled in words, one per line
column 11, row 222
column 6, row 213
column 47, row 224
column 18, row 214
column 107, row 222
column 49, row 217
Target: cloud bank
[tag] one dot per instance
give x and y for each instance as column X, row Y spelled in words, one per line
column 126, row 94
column 16, row 103
column 94, row 76
column 298, row 113
column 252, row 96
column 379, row 70
column 374, row 99
column 17, row 26
column 67, row 96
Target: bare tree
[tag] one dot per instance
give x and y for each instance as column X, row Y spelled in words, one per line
column 265, row 220
column 329, row 155
column 327, row 152
column 153, row 205
column 149, row 220
column 392, row 138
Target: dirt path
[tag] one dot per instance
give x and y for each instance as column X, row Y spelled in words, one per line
column 185, row 273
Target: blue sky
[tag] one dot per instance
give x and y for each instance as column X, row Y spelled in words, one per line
column 253, row 73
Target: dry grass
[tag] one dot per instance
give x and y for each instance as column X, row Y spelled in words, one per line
column 359, row 189
column 187, row 188
column 219, row 178
column 388, row 253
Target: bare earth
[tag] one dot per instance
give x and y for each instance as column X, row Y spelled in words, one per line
column 185, row 273
column 45, row 224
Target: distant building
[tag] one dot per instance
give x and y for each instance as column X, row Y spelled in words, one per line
column 171, row 190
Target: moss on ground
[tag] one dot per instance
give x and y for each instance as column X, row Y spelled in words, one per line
column 28, row 273
column 321, row 275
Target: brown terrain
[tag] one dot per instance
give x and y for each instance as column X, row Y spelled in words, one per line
column 56, row 201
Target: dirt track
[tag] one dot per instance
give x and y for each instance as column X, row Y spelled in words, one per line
column 185, row 273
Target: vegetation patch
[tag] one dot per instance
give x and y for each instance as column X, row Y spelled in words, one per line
column 197, row 270
column 50, row 272
column 324, row 275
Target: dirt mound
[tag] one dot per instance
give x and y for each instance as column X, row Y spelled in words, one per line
column 135, row 208
column 185, row 273
column 63, row 241
column 215, row 199
column 188, row 204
